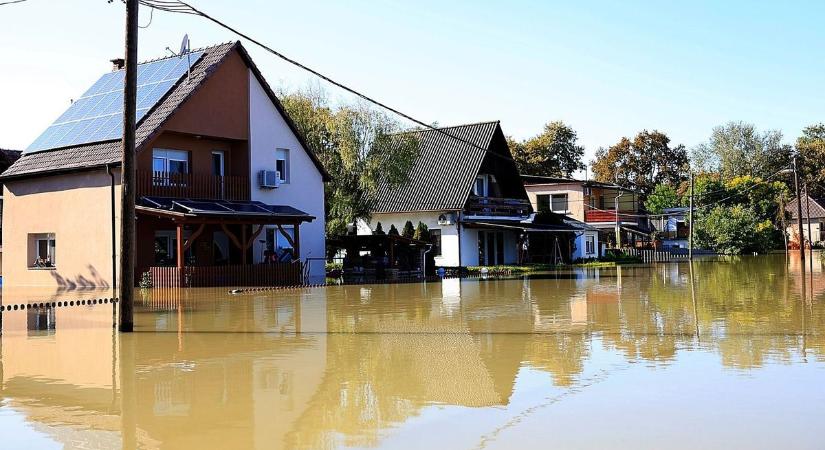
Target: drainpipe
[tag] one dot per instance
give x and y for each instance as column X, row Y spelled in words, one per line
column 424, row 262
column 114, row 238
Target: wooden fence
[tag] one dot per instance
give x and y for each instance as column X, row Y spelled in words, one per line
column 280, row 274
column 649, row 255
column 188, row 185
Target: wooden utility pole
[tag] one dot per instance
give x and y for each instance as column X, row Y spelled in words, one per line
column 127, row 174
column 808, row 219
column 799, row 213
column 690, row 220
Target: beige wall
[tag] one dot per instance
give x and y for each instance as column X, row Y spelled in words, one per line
column 76, row 208
column 575, row 196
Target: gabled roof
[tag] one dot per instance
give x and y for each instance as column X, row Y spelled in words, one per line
column 816, row 209
column 443, row 174
column 98, row 154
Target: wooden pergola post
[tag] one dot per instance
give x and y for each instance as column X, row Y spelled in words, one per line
column 179, row 245
column 297, row 241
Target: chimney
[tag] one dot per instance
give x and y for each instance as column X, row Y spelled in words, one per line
column 117, row 64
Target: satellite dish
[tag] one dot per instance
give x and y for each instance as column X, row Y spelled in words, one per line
column 184, row 45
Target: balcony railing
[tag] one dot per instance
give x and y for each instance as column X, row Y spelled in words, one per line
column 187, row 185
column 497, row 207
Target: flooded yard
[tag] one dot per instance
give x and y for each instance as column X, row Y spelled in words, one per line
column 722, row 354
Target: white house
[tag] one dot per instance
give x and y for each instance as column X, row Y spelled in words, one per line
column 466, row 188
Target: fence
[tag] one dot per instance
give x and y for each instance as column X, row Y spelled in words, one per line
column 649, row 255
column 279, row 274
column 188, row 185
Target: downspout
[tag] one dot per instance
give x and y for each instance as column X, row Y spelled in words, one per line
column 114, row 237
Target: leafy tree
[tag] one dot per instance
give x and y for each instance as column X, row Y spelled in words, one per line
column 358, row 147
column 642, row 163
column 553, row 153
column 378, row 229
column 422, row 233
column 738, row 148
column 733, row 230
column 811, row 148
column 409, row 230
column 393, row 231
column 663, row 196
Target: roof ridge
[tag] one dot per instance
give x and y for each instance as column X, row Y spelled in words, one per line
column 200, row 49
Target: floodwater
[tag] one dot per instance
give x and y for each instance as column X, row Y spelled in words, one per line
column 723, row 354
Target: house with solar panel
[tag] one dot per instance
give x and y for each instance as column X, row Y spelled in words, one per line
column 465, row 187
column 228, row 193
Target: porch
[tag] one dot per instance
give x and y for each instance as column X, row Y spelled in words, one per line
column 209, row 243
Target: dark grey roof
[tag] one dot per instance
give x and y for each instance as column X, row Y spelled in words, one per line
column 541, row 179
column 816, row 212
column 444, row 172
column 102, row 153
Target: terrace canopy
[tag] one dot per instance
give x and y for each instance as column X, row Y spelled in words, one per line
column 184, row 211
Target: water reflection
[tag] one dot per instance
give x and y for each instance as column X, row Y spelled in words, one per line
column 368, row 366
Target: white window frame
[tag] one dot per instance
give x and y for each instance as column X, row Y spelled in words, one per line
column 166, row 155
column 560, row 194
column 51, row 250
column 589, row 244
column 282, row 154
column 485, row 184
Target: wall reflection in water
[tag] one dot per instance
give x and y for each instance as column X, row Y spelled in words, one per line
column 345, row 366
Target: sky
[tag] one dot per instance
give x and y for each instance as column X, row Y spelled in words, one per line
column 608, row 69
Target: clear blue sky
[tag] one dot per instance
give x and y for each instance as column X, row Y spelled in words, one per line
column 607, row 68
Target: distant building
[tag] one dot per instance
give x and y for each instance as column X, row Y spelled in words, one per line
column 593, row 203
column 225, row 182
column 673, row 227
column 467, row 190
column 811, row 209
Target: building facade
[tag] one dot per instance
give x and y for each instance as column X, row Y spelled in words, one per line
column 226, row 186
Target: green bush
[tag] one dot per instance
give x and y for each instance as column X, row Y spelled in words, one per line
column 734, row 230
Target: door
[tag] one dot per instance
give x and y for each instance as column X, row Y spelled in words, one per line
column 218, row 169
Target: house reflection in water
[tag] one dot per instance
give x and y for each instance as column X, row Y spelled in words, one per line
column 346, row 365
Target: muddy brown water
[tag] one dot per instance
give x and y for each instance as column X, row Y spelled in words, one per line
column 722, row 354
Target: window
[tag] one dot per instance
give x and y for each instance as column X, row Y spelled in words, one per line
column 42, row 250
column 435, row 239
column 543, row 202
column 552, row 202
column 559, row 203
column 490, row 248
column 590, row 245
column 277, row 245
column 166, row 248
column 480, row 188
column 282, row 164
column 168, row 165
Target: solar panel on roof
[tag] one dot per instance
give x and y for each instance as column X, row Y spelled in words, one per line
column 98, row 114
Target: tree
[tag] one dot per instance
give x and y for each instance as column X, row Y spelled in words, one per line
column 733, row 230
column 552, row 153
column 738, row 148
column 641, row 164
column 408, row 230
column 811, row 148
column 358, row 146
column 422, row 233
column 393, row 231
column 663, row 196
column 378, row 229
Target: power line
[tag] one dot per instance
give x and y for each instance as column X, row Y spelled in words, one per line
column 11, row 2
column 180, row 7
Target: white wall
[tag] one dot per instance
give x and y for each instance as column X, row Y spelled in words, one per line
column 449, row 233
column 269, row 131
column 579, row 251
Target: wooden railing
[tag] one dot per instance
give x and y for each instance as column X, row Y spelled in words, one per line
column 280, row 274
column 499, row 207
column 188, row 185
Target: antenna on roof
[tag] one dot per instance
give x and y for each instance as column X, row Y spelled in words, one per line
column 184, row 48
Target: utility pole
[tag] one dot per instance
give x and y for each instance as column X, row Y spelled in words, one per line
column 799, row 213
column 127, row 174
column 618, row 224
column 808, row 217
column 690, row 220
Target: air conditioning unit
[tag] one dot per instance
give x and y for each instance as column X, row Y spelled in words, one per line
column 446, row 219
column 269, row 179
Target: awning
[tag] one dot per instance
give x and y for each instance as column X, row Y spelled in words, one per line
column 521, row 225
column 226, row 211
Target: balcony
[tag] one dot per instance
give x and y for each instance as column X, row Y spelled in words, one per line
column 496, row 207
column 595, row 215
column 187, row 185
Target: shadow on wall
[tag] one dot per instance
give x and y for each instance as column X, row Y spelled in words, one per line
column 93, row 281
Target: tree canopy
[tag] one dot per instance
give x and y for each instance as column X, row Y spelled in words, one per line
column 811, row 148
column 358, row 147
column 663, row 196
column 738, row 149
column 554, row 152
column 642, row 163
